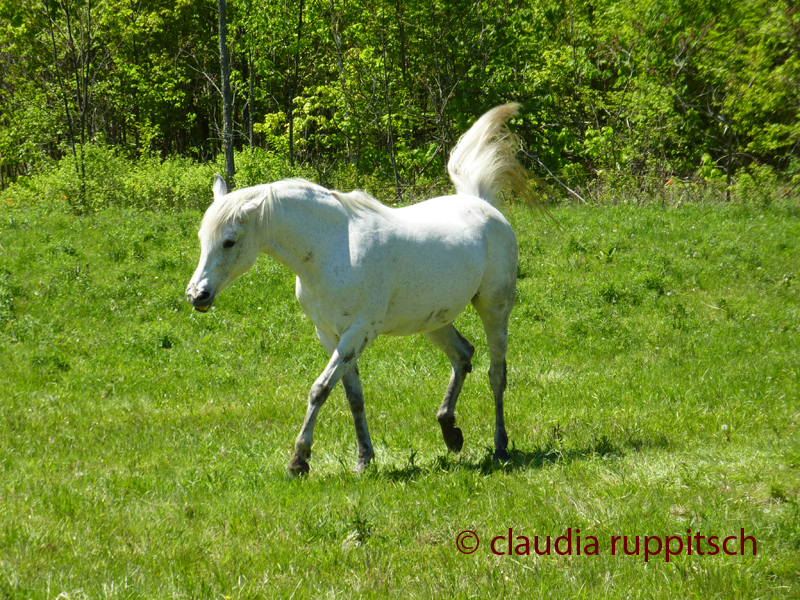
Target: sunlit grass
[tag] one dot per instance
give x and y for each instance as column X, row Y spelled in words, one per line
column 653, row 388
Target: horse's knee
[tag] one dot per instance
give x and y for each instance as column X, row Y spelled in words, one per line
column 463, row 366
column 356, row 407
column 319, row 393
column 355, row 398
column 462, row 361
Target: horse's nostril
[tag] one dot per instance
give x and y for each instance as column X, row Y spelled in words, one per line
column 202, row 296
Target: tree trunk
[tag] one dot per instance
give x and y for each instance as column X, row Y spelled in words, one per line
column 728, row 172
column 250, row 99
column 137, row 113
column 227, row 107
column 337, row 40
column 81, row 60
column 294, row 86
column 389, row 115
column 57, row 70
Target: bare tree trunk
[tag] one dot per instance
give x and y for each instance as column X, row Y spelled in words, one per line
column 227, row 107
column 137, row 113
column 250, row 98
column 67, row 111
column 294, row 86
column 402, row 35
column 337, row 40
column 81, row 61
column 389, row 113
column 728, row 171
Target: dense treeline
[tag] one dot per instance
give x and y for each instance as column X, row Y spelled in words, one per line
column 611, row 89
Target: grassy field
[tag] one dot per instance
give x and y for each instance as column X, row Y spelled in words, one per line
column 653, row 389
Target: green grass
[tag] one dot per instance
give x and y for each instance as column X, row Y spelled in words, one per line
column 653, row 388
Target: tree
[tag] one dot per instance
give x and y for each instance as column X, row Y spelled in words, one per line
column 295, row 81
column 227, row 107
column 376, row 91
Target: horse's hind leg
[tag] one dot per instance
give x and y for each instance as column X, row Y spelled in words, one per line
column 459, row 351
column 495, row 322
column 355, row 398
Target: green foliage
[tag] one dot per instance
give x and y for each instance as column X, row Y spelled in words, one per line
column 112, row 180
column 757, row 185
column 259, row 166
column 620, row 95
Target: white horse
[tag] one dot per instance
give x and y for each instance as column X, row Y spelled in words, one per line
column 364, row 269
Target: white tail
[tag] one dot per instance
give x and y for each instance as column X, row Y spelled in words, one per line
column 484, row 162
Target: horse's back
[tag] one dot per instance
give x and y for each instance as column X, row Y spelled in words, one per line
column 468, row 221
column 461, row 209
column 435, row 257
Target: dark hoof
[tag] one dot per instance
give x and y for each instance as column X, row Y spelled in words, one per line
column 502, row 455
column 454, row 440
column 298, row 466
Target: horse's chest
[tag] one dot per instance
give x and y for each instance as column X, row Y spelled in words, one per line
column 332, row 307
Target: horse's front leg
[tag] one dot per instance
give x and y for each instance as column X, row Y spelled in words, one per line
column 343, row 358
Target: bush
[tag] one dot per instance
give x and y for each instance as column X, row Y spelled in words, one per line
column 111, row 180
column 178, row 184
column 173, row 185
column 260, row 166
column 756, row 185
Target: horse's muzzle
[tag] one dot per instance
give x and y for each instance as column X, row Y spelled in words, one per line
column 201, row 300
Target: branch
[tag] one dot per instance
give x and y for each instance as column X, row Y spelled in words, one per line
column 541, row 164
column 201, row 71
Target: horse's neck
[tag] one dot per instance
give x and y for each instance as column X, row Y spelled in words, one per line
column 307, row 224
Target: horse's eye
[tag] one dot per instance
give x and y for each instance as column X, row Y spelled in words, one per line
column 228, row 243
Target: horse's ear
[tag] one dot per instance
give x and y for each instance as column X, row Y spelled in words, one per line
column 248, row 208
column 220, row 188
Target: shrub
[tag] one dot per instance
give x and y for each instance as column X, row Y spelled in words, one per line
column 149, row 183
column 757, row 185
column 111, row 180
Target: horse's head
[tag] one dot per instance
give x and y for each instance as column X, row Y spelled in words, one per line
column 229, row 244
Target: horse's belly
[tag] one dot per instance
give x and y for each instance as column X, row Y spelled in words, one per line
column 434, row 318
column 428, row 303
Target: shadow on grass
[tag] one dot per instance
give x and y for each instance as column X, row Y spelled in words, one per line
column 600, row 448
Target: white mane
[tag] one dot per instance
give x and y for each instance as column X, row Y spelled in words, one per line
column 227, row 210
column 359, row 201
column 355, row 202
